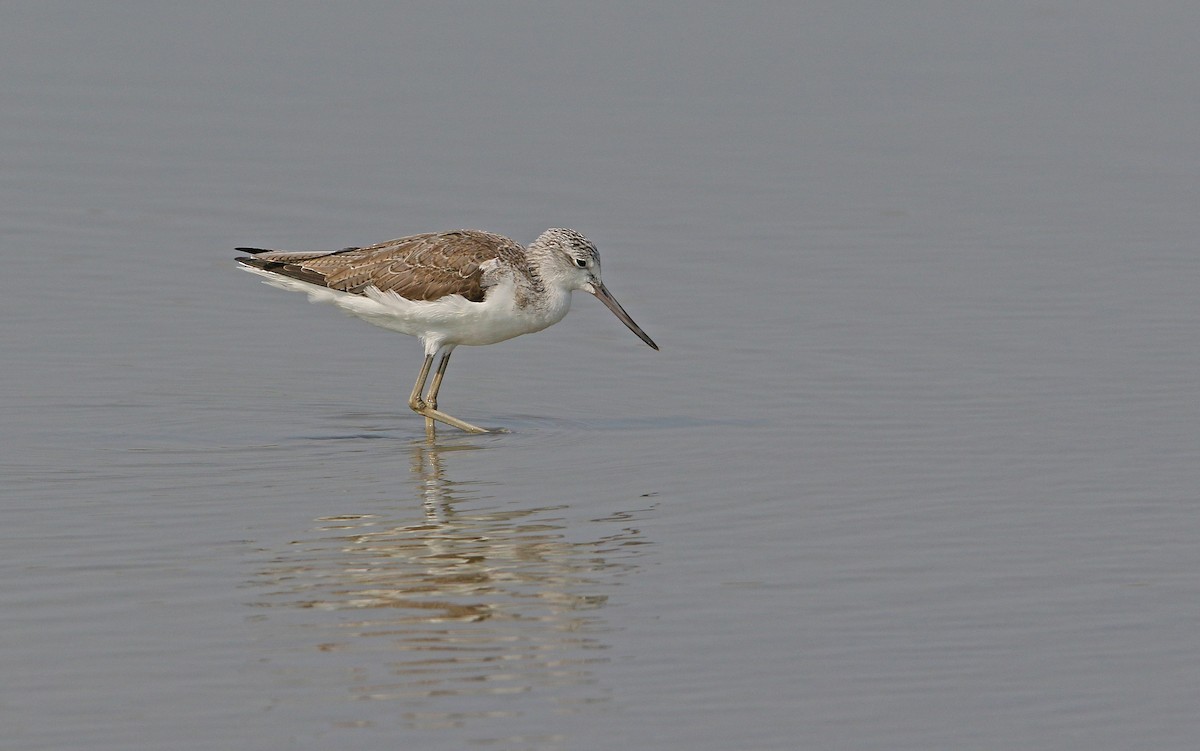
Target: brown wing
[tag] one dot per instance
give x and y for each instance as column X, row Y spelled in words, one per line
column 420, row 267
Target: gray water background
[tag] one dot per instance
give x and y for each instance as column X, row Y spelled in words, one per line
column 916, row 468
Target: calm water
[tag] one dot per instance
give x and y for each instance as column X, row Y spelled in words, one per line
column 917, row 467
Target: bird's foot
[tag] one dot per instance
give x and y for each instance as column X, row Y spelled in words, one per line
column 432, row 414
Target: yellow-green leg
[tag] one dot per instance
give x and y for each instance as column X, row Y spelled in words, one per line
column 428, row 405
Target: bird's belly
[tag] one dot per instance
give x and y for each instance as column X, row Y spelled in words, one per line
column 452, row 320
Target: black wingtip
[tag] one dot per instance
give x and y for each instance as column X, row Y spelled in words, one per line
column 252, row 251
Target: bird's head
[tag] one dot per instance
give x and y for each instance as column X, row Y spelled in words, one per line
column 575, row 262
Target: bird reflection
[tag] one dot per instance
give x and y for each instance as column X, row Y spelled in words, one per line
column 468, row 610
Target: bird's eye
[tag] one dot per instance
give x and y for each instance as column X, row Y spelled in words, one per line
column 581, row 263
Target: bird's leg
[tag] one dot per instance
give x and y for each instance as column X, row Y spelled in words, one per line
column 428, row 406
column 431, row 397
column 415, row 402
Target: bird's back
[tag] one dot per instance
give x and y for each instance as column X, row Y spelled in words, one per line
column 429, row 266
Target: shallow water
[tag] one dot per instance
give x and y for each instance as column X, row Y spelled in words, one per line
column 916, row 467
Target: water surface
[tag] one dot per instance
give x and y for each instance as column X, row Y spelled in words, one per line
column 916, row 467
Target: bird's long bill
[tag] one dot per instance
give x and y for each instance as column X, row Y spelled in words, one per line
column 606, row 297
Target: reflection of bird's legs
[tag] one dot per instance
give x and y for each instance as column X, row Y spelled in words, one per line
column 428, row 408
